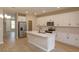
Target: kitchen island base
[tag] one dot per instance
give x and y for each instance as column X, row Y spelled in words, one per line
column 45, row 41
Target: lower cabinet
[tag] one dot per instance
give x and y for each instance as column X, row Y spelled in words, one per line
column 71, row 39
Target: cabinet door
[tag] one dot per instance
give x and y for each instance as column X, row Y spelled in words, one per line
column 74, row 20
column 77, row 43
column 61, row 20
column 65, row 20
column 38, row 21
column 76, row 40
column 41, row 21
column 71, row 39
column 44, row 21
column 57, row 20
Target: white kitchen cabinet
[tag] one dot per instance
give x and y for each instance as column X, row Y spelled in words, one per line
column 74, row 19
column 45, row 41
column 40, row 21
column 62, row 20
column 75, row 40
column 71, row 39
column 62, row 37
column 43, row 20
column 56, row 20
column 66, row 19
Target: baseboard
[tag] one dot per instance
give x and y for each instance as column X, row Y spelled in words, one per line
column 47, row 50
column 67, row 44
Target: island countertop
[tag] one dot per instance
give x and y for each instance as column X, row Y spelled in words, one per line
column 44, row 41
column 41, row 34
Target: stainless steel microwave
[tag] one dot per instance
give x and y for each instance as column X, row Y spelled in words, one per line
column 50, row 23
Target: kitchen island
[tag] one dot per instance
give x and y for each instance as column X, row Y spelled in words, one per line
column 45, row 41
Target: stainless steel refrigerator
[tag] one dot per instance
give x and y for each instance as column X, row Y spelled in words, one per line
column 21, row 29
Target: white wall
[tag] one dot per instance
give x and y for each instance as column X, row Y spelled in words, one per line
column 67, row 27
column 1, row 28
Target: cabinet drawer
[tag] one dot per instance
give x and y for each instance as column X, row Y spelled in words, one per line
column 73, row 40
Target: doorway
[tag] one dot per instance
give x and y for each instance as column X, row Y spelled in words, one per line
column 30, row 25
column 9, row 28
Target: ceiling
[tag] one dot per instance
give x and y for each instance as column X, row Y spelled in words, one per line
column 38, row 11
column 31, row 10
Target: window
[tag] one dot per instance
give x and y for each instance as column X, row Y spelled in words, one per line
column 12, row 24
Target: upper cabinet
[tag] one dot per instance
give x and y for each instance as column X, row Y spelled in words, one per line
column 43, row 20
column 62, row 20
column 66, row 19
column 74, row 19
